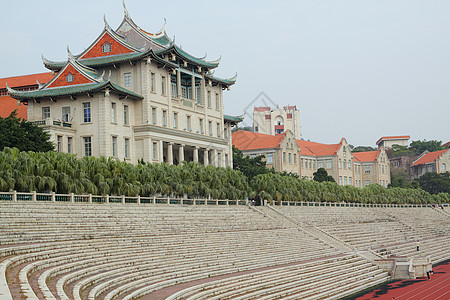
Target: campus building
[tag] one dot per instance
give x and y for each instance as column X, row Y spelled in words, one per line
column 283, row 153
column 134, row 95
column 389, row 141
column 437, row 162
column 277, row 121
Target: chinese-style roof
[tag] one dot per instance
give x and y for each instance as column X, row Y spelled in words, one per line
column 246, row 140
column 233, row 119
column 73, row 90
column 366, row 156
column 172, row 48
column 429, row 157
column 25, row 80
column 227, row 82
column 399, row 137
column 318, row 149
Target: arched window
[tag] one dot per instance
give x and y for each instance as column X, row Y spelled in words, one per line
column 106, row 47
column 349, row 164
column 340, row 163
column 69, row 77
column 345, row 164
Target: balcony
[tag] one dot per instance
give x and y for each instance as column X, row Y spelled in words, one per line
column 50, row 122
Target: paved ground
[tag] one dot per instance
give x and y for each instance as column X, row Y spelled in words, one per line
column 437, row 288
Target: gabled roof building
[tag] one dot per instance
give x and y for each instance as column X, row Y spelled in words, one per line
column 134, row 95
column 437, row 162
column 372, row 167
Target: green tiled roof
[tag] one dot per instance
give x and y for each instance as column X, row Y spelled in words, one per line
column 72, row 90
column 227, row 82
column 233, row 119
column 188, row 57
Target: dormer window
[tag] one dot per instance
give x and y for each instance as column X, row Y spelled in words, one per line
column 69, row 77
column 106, row 47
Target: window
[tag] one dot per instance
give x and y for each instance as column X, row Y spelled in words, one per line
column 70, row 77
column 340, row 164
column 174, row 89
column 217, row 102
column 284, row 157
column 198, row 94
column 163, row 85
column 310, row 163
column 125, row 114
column 114, row 145
column 444, row 167
column 152, row 82
column 219, row 159
column 290, row 158
column 301, row 160
column 164, row 118
column 270, row 158
column 314, row 164
column 349, row 164
column 345, row 164
column 366, row 169
column 106, row 47
column 295, row 158
column 209, row 99
column 350, row 181
column 226, row 160
column 184, row 92
column 320, row 164
column 59, row 143
column 345, row 180
column 200, row 126
column 87, row 146
column 210, row 128
column 328, row 163
column 127, row 79
column 218, row 130
column 367, row 182
column 382, row 169
column 87, row 112
column 127, row 147
column 175, row 120
column 46, row 112
column 155, row 151
column 340, row 180
column 65, row 113
column 188, row 123
column 69, row 144
column 113, row 113
column 153, row 115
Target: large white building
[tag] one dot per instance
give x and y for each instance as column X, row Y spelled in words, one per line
column 277, row 121
column 135, row 95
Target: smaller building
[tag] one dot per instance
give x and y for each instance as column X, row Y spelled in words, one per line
column 372, row 167
column 19, row 83
column 281, row 151
column 437, row 162
column 388, row 141
column 276, row 121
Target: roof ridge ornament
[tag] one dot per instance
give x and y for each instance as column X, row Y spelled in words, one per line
column 71, row 58
column 163, row 28
column 125, row 10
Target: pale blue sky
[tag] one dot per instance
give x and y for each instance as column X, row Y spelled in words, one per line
column 355, row 69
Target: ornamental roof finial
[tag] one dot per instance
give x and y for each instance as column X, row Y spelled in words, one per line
column 70, row 56
column 125, row 11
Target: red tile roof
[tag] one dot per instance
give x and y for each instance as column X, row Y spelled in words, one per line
column 429, row 157
column 246, row 140
column 8, row 104
column 318, row 149
column 399, row 137
column 366, row 156
column 25, row 80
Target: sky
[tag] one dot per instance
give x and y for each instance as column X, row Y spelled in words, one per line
column 355, row 69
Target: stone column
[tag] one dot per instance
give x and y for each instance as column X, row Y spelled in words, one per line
column 181, row 153
column 215, row 161
column 196, row 154
column 202, row 90
column 205, row 157
column 161, row 152
column 178, row 84
column 148, row 146
column 170, row 153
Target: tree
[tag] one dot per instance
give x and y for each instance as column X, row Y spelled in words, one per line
column 399, row 178
column 420, row 146
column 246, row 128
column 250, row 167
column 435, row 183
column 321, row 175
column 363, row 149
column 23, row 135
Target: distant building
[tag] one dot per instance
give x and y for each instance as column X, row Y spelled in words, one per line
column 276, row 121
column 437, row 162
column 388, row 141
column 446, row 145
column 20, row 83
column 372, row 167
column 281, row 151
